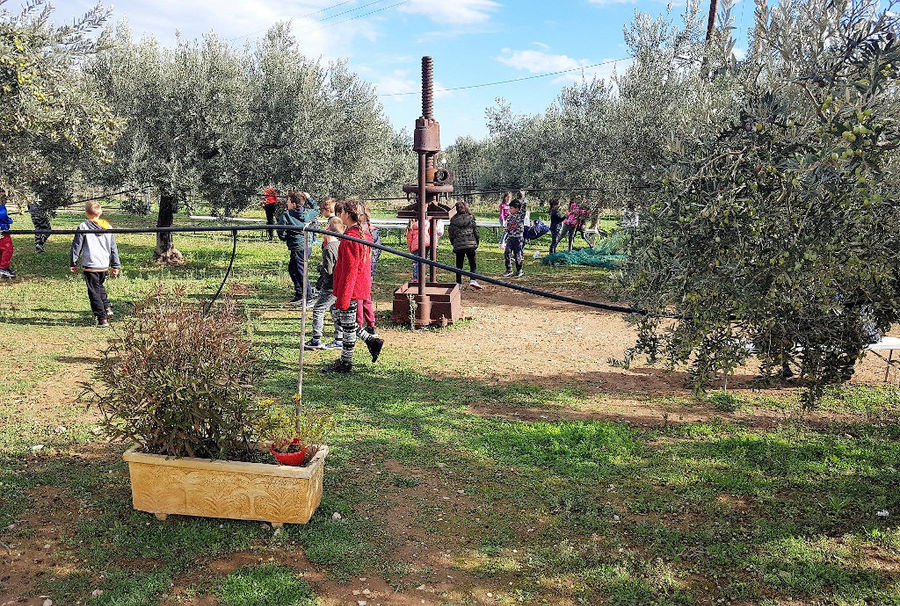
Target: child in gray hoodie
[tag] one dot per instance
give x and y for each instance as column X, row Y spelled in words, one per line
column 326, row 299
column 98, row 254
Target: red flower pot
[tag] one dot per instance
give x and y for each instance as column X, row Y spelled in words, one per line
column 290, row 458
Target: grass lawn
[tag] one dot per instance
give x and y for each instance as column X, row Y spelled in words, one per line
column 502, row 460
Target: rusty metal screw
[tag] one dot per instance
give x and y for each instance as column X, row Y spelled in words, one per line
column 427, row 88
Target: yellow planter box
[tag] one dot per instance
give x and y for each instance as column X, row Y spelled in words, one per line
column 274, row 493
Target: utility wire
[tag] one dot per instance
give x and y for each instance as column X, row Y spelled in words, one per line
column 351, row 10
column 511, row 80
column 310, row 14
column 236, row 228
column 354, row 18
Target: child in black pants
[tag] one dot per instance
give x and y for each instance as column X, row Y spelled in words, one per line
column 97, row 254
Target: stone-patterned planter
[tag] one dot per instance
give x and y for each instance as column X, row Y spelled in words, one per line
column 225, row 489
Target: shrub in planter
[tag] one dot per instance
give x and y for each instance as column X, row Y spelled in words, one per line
column 180, row 382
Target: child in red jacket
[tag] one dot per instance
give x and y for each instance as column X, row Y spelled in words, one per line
column 352, row 281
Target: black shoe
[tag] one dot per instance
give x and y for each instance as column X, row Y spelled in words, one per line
column 375, row 345
column 296, row 301
column 339, row 366
column 371, row 330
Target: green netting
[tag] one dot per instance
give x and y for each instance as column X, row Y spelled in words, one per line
column 607, row 253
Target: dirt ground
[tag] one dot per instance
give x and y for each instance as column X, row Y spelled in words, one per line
column 510, row 338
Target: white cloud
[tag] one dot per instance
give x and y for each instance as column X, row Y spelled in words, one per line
column 238, row 22
column 452, row 11
column 540, row 62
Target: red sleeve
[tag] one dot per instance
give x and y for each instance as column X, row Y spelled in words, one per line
column 345, row 273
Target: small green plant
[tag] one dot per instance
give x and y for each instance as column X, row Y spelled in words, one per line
column 180, row 382
column 288, row 430
column 724, row 401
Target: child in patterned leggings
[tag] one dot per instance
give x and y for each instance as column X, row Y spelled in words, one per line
column 352, row 281
column 515, row 237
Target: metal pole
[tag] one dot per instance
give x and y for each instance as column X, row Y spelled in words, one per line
column 303, row 318
column 423, row 222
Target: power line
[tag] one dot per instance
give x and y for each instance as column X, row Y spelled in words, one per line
column 354, row 18
column 349, row 10
column 325, row 20
column 511, row 80
column 326, row 9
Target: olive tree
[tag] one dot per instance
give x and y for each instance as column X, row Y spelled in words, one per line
column 186, row 110
column 51, row 116
column 779, row 236
column 214, row 123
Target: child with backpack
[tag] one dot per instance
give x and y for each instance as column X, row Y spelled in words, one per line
column 297, row 214
column 97, row 253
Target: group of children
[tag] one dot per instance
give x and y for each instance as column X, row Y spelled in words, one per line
column 344, row 287
column 346, row 270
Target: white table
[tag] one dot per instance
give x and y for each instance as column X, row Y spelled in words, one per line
column 888, row 344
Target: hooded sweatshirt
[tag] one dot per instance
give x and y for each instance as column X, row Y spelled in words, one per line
column 97, row 251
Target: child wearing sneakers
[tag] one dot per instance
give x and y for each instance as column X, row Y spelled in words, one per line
column 515, row 236
column 365, row 311
column 464, row 237
column 98, row 254
column 325, row 284
column 352, row 278
column 6, row 245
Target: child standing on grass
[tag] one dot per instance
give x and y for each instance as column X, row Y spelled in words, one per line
column 504, row 215
column 556, row 221
column 270, row 204
column 353, row 267
column 515, row 237
column 464, row 237
column 574, row 222
column 97, row 253
column 295, row 216
column 326, row 299
column 365, row 311
column 6, row 244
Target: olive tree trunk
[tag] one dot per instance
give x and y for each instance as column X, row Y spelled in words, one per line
column 165, row 252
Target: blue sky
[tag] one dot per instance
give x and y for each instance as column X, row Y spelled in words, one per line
column 472, row 42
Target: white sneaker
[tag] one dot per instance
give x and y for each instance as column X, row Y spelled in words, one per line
column 475, row 285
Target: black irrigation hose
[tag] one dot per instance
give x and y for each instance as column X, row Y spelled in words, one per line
column 236, row 228
column 227, row 273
